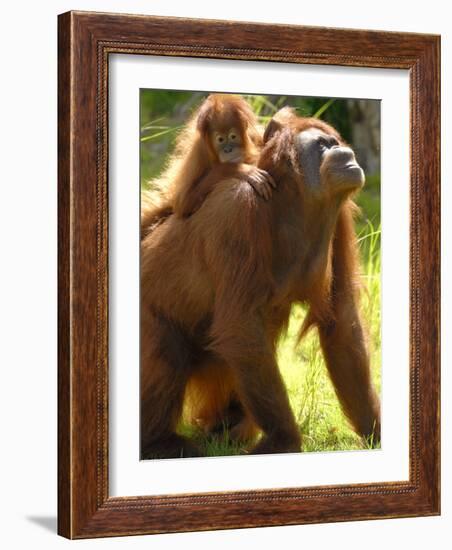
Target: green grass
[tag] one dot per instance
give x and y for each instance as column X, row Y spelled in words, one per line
column 322, row 423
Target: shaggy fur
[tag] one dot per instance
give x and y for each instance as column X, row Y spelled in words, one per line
column 217, row 289
column 178, row 188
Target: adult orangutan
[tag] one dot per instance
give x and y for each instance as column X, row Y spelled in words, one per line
column 218, row 286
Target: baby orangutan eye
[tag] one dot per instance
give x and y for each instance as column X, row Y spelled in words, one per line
column 219, row 139
column 232, row 136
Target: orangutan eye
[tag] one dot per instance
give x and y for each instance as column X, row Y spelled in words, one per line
column 323, row 142
column 232, row 137
column 327, row 142
column 220, row 139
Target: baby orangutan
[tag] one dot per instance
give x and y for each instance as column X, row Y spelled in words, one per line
column 223, row 130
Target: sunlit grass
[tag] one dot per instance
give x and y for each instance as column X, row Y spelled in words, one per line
column 313, row 400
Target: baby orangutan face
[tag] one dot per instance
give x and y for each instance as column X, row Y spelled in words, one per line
column 228, row 145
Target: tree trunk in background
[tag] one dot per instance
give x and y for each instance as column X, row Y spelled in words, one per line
column 365, row 129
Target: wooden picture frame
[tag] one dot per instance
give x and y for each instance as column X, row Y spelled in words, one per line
column 85, row 42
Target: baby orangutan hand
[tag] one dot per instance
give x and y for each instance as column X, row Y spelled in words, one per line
column 261, row 182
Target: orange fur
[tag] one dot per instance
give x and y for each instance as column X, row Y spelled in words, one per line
column 208, row 396
column 194, row 155
column 216, row 291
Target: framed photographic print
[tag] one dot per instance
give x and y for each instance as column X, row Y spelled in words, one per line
column 248, row 275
